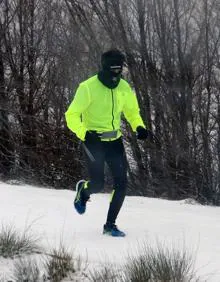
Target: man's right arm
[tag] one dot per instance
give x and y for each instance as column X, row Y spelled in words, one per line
column 79, row 104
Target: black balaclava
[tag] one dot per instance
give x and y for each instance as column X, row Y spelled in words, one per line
column 112, row 65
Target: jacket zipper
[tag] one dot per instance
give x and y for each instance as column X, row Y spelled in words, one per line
column 112, row 110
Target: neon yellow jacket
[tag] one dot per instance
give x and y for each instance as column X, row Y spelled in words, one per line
column 96, row 107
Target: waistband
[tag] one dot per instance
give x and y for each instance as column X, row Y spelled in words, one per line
column 109, row 134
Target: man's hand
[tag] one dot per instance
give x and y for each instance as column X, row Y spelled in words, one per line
column 142, row 133
column 92, row 137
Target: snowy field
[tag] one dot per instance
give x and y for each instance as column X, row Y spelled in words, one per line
column 52, row 217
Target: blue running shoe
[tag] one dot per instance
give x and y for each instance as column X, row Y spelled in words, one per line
column 112, row 230
column 81, row 197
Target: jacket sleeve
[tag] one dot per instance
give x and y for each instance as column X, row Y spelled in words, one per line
column 131, row 110
column 73, row 115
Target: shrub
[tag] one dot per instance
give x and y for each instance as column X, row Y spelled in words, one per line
column 59, row 264
column 160, row 265
column 108, row 273
column 26, row 270
column 13, row 242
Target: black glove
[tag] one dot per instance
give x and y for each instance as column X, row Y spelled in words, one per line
column 92, row 137
column 143, row 133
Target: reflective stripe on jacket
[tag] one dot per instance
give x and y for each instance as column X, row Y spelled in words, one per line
column 96, row 107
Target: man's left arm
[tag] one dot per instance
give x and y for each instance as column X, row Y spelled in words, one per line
column 131, row 110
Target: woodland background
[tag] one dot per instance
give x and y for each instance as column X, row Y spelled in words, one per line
column 172, row 49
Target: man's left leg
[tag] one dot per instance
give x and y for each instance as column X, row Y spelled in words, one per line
column 116, row 160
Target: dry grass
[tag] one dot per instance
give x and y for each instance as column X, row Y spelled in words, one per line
column 162, row 264
column 27, row 270
column 14, row 242
column 59, row 264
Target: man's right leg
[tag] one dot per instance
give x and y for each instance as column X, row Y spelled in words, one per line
column 95, row 158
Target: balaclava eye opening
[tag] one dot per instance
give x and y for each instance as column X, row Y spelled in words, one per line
column 112, row 65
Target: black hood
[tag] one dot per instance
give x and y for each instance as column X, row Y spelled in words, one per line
column 112, row 65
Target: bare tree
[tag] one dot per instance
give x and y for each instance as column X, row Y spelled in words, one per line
column 166, row 43
column 172, row 50
column 6, row 148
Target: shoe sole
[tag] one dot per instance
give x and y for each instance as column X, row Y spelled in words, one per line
column 109, row 233
column 76, row 200
column 79, row 182
column 77, row 188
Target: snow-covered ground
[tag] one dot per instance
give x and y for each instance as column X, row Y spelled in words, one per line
column 52, row 217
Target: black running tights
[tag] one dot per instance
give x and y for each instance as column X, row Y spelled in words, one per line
column 113, row 153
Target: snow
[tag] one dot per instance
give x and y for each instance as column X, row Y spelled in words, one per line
column 51, row 215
